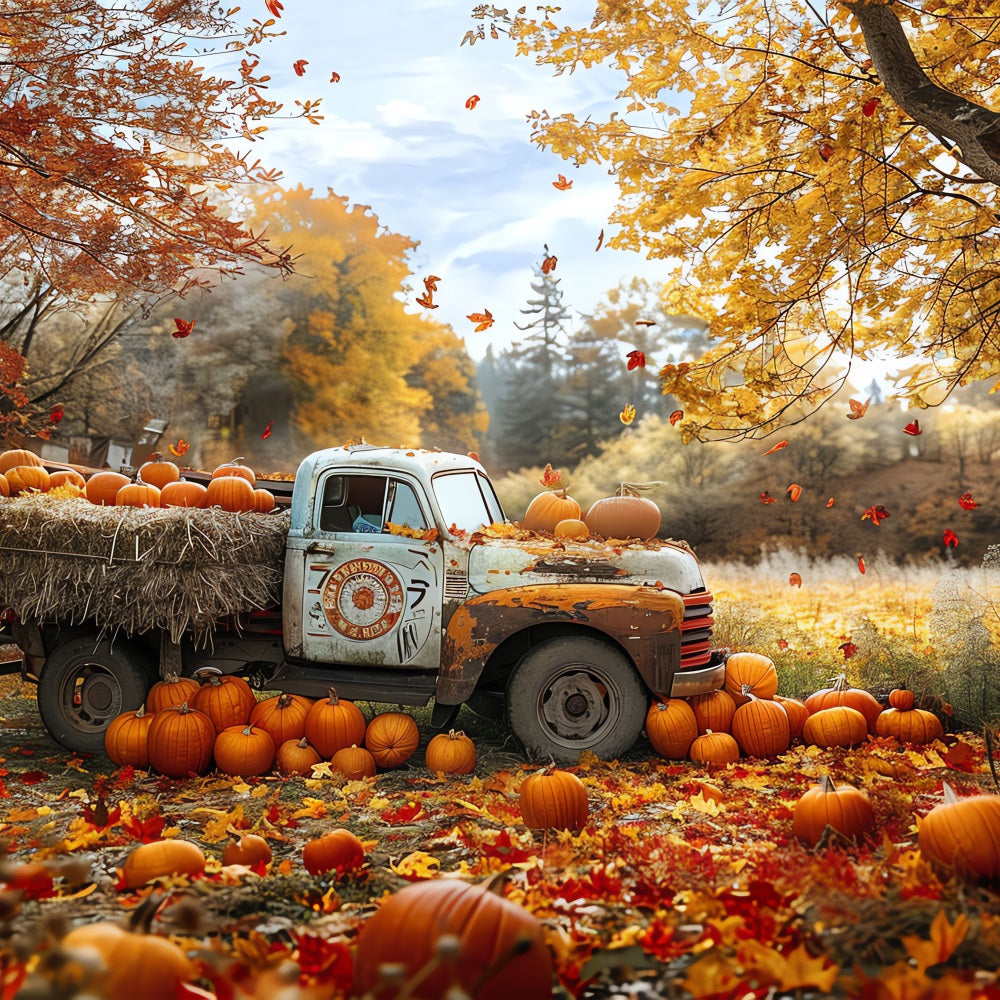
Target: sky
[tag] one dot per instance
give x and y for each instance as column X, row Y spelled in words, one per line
column 469, row 185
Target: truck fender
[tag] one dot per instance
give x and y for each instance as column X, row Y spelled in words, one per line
column 644, row 621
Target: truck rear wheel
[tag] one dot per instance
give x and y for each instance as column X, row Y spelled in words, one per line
column 84, row 684
column 573, row 694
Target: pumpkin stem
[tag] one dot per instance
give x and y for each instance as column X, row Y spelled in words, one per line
column 826, row 784
column 303, row 744
column 213, row 675
column 634, row 489
column 284, row 700
column 747, row 691
column 140, row 712
column 334, row 700
column 949, row 793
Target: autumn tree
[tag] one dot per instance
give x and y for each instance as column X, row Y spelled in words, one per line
column 825, row 175
column 115, row 144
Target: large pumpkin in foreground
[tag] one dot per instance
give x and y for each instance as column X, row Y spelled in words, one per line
column 963, row 835
column 499, row 949
column 554, row 800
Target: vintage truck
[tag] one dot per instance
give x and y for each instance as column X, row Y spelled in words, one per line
column 402, row 581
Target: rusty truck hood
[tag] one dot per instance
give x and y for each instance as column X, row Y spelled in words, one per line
column 514, row 562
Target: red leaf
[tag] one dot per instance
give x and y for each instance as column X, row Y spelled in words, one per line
column 274, row 6
column 966, row 502
column 636, row 359
column 267, row 429
column 766, row 497
column 549, row 264
column 826, row 151
column 830, row 502
column 300, row 66
column 876, row 514
column 56, row 414
column 794, row 580
column 913, row 427
column 782, row 644
column 184, row 328
column 861, row 564
column 848, row 649
column 334, row 77
column 676, row 416
column 950, row 539
column 472, row 101
column 869, row 107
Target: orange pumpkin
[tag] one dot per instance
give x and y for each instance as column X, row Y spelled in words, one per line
column 750, row 670
column 183, row 493
column 14, row 457
column 4, row 486
column 624, row 516
column 333, row 723
column 160, row 858
column 451, row 753
column 158, row 472
column 392, row 738
column 249, row 850
column 282, row 716
column 963, row 835
column 915, row 726
column 548, row 509
column 134, row 965
column 232, row 493
column 138, row 495
column 126, row 740
column 235, row 468
column 296, row 757
column 354, row 762
column 797, row 714
column 27, row 479
column 180, row 741
column 170, row 692
column 713, row 710
column 103, row 487
column 244, row 751
column 500, row 952
column 66, row 477
column 671, row 726
column 714, row 748
column 841, row 693
column 901, row 698
column 226, row 699
column 843, row 808
column 554, row 800
column 760, row 726
column 337, row 851
column 263, row 501
column 839, row 726
column 571, row 527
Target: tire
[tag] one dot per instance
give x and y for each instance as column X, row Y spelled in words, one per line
column 573, row 694
column 84, row 684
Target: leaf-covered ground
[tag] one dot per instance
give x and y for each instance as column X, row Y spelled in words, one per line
column 686, row 882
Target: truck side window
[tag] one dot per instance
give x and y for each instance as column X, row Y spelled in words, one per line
column 404, row 508
column 353, row 503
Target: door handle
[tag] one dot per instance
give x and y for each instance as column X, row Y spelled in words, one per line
column 319, row 547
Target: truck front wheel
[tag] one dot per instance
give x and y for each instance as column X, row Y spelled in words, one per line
column 573, row 694
column 84, row 684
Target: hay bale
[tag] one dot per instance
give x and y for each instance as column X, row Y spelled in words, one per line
column 134, row 569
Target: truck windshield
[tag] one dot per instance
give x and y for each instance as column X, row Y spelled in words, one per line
column 467, row 500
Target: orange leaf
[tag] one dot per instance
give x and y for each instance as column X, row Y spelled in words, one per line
column 549, row 264
column 274, row 6
column 830, row 502
column 794, row 492
column 562, row 184
column 550, row 477
column 334, row 77
column 431, row 282
column 627, row 415
column 777, row 447
column 600, row 241
column 794, row 580
column 182, row 447
column 944, row 939
column 858, row 410
column 484, row 320
column 426, row 300
column 676, row 416
column 472, row 101
column 861, row 564
column 300, row 66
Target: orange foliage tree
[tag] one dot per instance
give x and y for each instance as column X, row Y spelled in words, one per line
column 826, row 177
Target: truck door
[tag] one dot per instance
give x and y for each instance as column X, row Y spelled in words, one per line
column 371, row 596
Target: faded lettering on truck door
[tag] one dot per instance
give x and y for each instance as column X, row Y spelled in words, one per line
column 372, row 596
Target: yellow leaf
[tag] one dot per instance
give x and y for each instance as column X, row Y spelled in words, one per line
column 419, row 864
column 944, row 939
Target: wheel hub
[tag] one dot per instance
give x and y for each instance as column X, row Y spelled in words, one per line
column 574, row 706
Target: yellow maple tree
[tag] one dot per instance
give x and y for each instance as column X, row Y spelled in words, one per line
column 823, row 177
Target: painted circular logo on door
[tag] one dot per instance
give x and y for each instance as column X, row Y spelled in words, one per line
column 363, row 599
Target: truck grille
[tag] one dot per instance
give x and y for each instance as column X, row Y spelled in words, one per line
column 696, row 630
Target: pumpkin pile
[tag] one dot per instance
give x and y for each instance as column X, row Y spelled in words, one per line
column 187, row 724
column 158, row 483
column 747, row 717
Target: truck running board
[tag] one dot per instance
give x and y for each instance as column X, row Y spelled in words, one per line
column 395, row 687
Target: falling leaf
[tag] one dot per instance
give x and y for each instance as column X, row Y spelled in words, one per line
column 549, row 264
column 826, row 151
column 966, row 502
column 600, row 241
column 913, row 428
column 782, row 644
column 431, row 282
column 184, row 328
column 267, row 429
column 550, row 477
column 766, row 497
column 777, row 447
column 861, row 564
column 675, row 417
column 627, row 415
column 794, row 491
column 300, row 66
column 426, row 300
column 180, row 449
column 645, row 322
column 950, row 539
column 274, row 6
column 794, row 580
column 334, row 77
column 56, row 414
column 561, row 183
column 830, row 503
column 848, row 648
column 858, row 410
column 636, row 359
column 472, row 101
column 483, row 320
column 876, row 514
column 869, row 107
column 959, row 757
